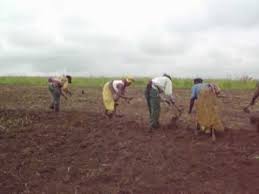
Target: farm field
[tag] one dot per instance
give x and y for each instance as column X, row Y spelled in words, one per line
column 79, row 150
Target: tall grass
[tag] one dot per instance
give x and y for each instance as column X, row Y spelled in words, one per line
column 140, row 82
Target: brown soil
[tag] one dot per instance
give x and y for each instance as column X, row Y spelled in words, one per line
column 79, row 150
column 254, row 119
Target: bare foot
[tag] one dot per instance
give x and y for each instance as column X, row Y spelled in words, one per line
column 119, row 115
column 109, row 115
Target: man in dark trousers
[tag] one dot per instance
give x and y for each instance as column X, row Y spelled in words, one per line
column 155, row 88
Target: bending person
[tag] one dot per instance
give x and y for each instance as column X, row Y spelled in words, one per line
column 58, row 86
column 112, row 92
column 207, row 118
column 156, row 87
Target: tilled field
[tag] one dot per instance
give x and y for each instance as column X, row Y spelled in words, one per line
column 79, row 150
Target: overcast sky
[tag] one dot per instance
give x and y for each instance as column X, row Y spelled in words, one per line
column 185, row 38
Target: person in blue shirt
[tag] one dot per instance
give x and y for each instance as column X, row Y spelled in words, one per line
column 196, row 89
column 207, row 113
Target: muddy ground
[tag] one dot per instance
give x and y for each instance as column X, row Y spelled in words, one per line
column 79, row 150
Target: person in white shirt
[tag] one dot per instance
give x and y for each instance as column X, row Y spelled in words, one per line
column 153, row 93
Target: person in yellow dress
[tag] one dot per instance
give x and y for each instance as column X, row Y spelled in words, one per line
column 207, row 107
column 58, row 86
column 112, row 92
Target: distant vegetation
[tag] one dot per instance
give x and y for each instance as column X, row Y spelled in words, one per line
column 140, row 82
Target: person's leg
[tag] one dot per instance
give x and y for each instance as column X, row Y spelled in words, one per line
column 155, row 108
column 147, row 96
column 148, row 100
column 51, row 90
column 56, row 102
column 197, row 129
column 213, row 135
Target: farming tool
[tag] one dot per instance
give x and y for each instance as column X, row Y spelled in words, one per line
column 128, row 100
column 176, row 116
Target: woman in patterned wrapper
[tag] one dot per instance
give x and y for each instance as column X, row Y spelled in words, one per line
column 207, row 113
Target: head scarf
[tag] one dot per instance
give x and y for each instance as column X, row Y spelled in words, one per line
column 130, row 79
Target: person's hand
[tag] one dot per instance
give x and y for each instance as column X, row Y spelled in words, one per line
column 65, row 97
column 129, row 99
column 172, row 101
column 116, row 97
column 168, row 102
column 246, row 109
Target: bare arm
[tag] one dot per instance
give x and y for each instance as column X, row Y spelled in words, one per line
column 256, row 95
column 67, row 91
column 65, row 88
column 62, row 94
column 121, row 93
column 124, row 97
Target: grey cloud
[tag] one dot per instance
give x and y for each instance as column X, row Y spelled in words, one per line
column 161, row 49
column 29, row 40
column 207, row 44
column 171, row 46
column 218, row 14
column 234, row 13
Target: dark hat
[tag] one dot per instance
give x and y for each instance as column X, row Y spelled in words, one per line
column 69, row 78
column 168, row 76
column 198, row 80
